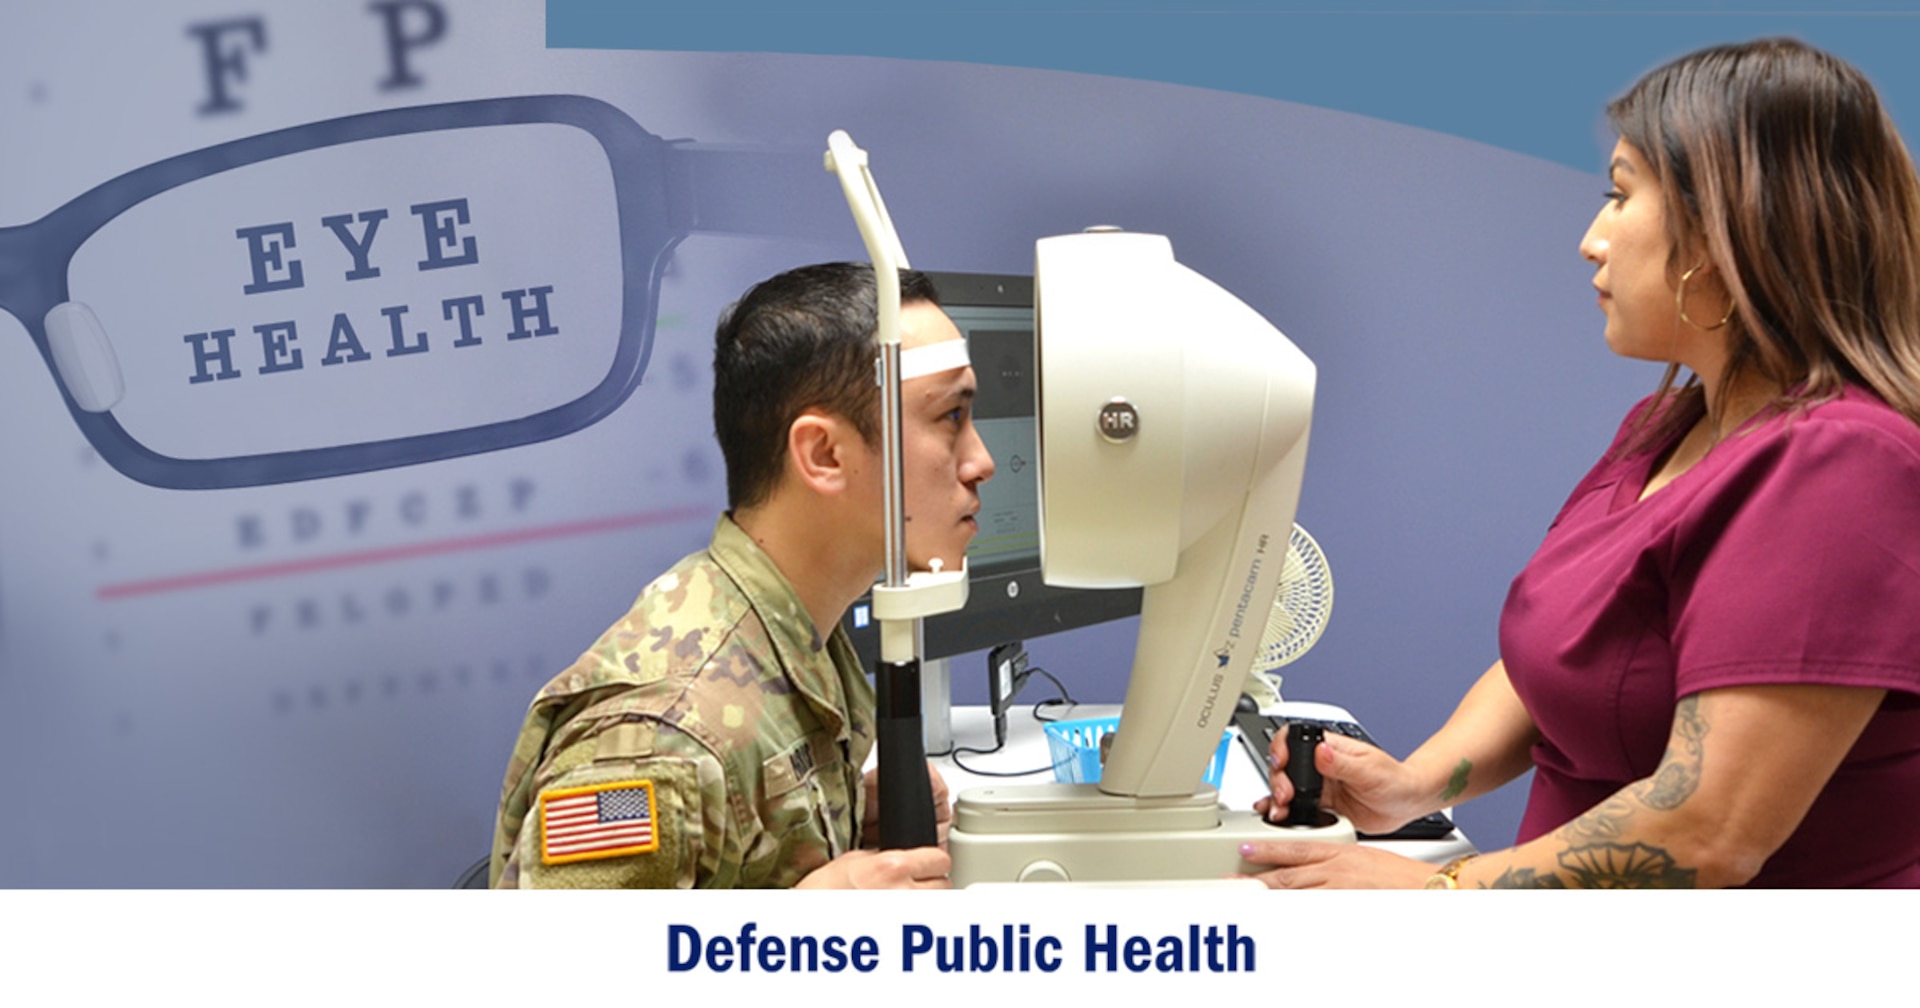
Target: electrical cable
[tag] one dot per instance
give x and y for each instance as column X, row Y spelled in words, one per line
column 1064, row 699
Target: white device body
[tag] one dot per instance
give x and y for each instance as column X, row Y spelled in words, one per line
column 1197, row 505
column 1173, row 425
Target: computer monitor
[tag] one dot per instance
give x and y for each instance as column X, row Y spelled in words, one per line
column 1007, row 598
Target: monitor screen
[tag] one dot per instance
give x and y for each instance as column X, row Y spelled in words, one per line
column 1007, row 601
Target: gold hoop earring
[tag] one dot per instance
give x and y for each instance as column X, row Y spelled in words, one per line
column 1680, row 302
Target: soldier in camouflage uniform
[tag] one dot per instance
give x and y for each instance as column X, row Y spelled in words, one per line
column 711, row 738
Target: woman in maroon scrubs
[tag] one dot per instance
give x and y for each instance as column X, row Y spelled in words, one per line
column 1712, row 663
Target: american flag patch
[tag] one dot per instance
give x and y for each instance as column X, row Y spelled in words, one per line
column 599, row 821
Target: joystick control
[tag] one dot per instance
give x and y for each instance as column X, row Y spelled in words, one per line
column 1302, row 740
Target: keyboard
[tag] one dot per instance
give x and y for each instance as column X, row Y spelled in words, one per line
column 1256, row 735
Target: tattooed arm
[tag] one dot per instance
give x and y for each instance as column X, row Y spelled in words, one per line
column 1483, row 745
column 1742, row 767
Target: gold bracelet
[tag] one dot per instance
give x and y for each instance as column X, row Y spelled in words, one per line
column 1448, row 877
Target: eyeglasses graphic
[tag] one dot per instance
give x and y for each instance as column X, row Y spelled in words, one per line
column 379, row 290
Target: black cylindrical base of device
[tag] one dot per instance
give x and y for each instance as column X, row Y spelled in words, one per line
column 906, row 793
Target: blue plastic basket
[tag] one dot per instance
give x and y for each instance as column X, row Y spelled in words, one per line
column 1076, row 750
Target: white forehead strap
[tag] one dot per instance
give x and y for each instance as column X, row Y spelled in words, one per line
column 933, row 358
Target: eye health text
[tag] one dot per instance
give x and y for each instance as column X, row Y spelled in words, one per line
column 274, row 269
column 1008, row 948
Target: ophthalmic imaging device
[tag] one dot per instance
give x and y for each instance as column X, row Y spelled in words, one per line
column 1173, row 425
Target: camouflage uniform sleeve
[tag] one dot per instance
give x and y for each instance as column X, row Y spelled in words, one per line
column 621, row 802
column 683, row 712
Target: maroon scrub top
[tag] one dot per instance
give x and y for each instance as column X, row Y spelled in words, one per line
column 1789, row 554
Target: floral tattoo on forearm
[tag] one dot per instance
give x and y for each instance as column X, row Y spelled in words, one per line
column 1595, row 858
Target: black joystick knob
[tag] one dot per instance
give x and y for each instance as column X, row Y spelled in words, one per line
column 1302, row 739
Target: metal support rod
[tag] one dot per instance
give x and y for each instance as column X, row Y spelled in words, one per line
column 906, row 796
column 894, row 488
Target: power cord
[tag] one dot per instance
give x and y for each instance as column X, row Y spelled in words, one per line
column 1008, row 669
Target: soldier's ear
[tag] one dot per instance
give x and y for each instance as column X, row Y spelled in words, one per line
column 817, row 454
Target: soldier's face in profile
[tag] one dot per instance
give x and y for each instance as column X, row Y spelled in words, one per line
column 944, row 459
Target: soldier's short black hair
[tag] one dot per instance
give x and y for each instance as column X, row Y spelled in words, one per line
column 798, row 341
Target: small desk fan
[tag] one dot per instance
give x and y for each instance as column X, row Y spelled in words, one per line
column 1300, row 610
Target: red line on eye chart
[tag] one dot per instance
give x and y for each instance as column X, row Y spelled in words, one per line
column 388, row 554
